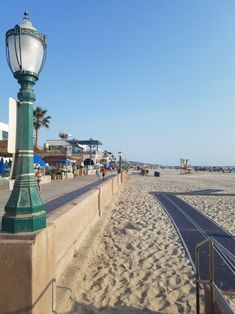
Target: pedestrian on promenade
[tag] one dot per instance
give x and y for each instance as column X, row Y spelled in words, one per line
column 36, row 167
column 97, row 173
column 103, row 171
column 39, row 176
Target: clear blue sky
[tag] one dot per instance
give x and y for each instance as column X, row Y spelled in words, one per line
column 155, row 78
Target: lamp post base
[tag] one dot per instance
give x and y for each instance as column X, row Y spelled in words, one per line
column 24, row 211
column 27, row 223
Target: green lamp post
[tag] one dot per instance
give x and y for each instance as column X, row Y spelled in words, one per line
column 26, row 52
column 120, row 162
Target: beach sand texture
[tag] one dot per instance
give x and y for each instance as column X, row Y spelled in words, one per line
column 134, row 262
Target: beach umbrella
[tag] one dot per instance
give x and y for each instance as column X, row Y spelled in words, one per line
column 2, row 166
column 99, row 165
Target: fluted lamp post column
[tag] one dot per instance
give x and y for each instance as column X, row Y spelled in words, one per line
column 26, row 51
column 120, row 162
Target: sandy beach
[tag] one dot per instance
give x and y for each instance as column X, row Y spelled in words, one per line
column 133, row 260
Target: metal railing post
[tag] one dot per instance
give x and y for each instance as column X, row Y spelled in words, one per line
column 197, row 281
column 211, row 270
column 213, row 288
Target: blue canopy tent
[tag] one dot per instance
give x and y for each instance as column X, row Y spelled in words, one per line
column 38, row 160
column 2, row 166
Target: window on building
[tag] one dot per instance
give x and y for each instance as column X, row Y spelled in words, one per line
column 4, row 135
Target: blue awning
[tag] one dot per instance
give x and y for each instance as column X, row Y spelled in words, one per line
column 38, row 160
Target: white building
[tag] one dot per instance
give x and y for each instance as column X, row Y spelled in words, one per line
column 3, row 131
column 89, row 150
column 55, row 145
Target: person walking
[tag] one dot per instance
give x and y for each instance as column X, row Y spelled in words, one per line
column 103, row 171
column 97, row 173
column 39, row 176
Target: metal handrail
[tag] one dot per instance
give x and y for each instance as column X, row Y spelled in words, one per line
column 229, row 255
column 214, row 290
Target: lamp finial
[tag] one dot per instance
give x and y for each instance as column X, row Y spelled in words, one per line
column 26, row 15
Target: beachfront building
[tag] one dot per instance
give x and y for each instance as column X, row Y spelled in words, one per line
column 86, row 152
column 3, row 131
column 59, row 150
column 54, row 145
column 3, row 140
column 91, row 152
column 107, row 158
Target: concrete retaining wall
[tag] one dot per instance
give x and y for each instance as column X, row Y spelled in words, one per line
column 73, row 226
column 27, row 272
column 115, row 184
column 30, row 263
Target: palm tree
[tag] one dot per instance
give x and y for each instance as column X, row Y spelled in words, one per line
column 40, row 120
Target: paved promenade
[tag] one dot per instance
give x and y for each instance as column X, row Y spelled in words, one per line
column 59, row 192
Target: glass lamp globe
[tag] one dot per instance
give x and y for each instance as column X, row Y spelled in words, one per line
column 26, row 48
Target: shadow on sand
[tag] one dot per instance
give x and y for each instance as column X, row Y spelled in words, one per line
column 204, row 192
column 81, row 308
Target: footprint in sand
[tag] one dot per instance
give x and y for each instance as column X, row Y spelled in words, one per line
column 130, row 247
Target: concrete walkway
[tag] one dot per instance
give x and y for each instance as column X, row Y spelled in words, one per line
column 59, row 192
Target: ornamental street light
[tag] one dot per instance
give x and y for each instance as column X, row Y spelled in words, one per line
column 26, row 52
column 65, row 136
column 120, row 162
column 90, row 152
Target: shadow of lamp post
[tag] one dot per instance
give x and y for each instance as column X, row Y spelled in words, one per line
column 26, row 51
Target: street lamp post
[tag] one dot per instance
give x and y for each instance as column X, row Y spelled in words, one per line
column 90, row 152
column 67, row 155
column 26, row 51
column 65, row 136
column 120, row 162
